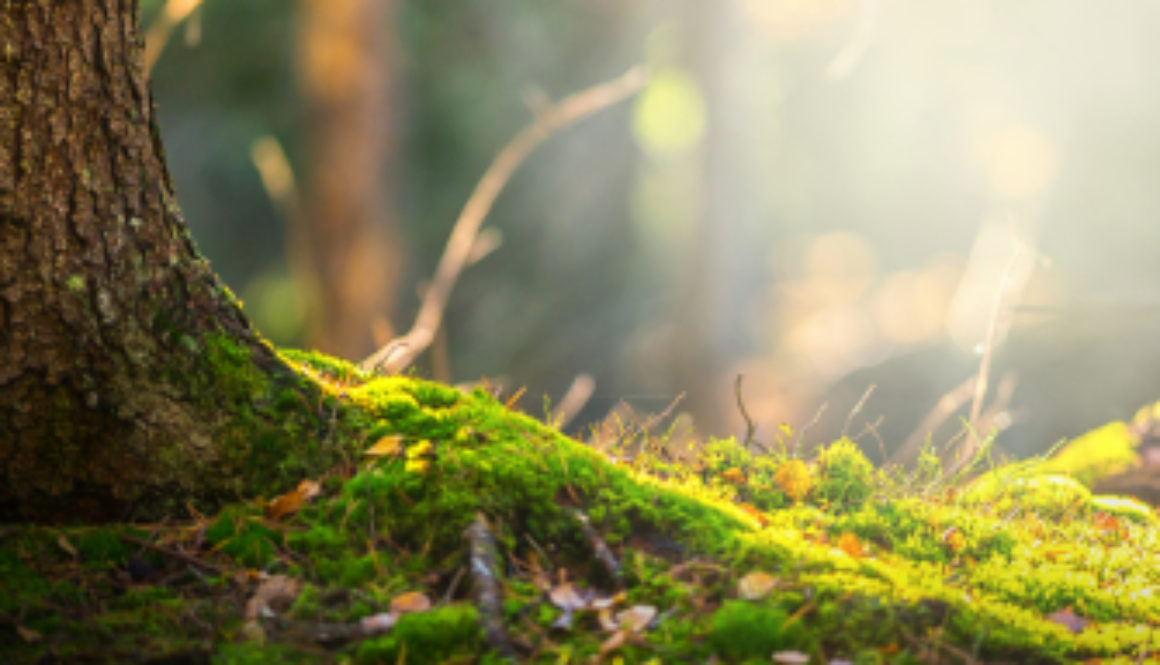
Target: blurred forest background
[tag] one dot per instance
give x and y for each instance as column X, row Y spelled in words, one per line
column 820, row 195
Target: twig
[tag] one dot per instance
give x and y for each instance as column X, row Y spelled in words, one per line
column 946, row 405
column 750, row 428
column 180, row 556
column 174, row 13
column 984, row 374
column 485, row 589
column 857, row 408
column 600, row 549
column 399, row 353
column 797, row 444
column 573, row 401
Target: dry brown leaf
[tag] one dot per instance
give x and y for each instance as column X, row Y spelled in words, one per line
column 604, row 617
column 273, row 593
column 377, row 623
column 636, row 618
column 412, row 601
column 756, row 585
column 613, row 643
column 791, row 658
column 733, row 475
column 387, row 446
column 1069, row 620
column 65, row 545
column 291, row 501
column 27, row 634
column 565, row 596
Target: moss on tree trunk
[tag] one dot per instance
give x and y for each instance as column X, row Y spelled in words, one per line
column 130, row 380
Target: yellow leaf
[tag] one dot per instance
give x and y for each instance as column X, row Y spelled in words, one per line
column 290, row 502
column 390, row 445
column 411, row 601
column 756, row 585
column 850, row 544
column 733, row 475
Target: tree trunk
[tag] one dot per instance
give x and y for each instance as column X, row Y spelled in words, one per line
column 352, row 244
column 130, row 381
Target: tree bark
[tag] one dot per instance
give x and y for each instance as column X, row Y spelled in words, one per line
column 130, row 381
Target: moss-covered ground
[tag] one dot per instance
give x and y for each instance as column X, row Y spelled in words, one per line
column 631, row 553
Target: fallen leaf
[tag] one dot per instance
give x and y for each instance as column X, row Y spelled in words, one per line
column 756, row 585
column 849, row 543
column 1069, row 620
column 290, row 502
column 566, row 597
column 27, row 634
column 275, row 592
column 377, row 623
column 606, row 601
column 636, row 618
column 733, row 475
column 412, row 601
column 791, row 658
column 613, row 643
column 65, row 545
column 387, row 446
column 604, row 617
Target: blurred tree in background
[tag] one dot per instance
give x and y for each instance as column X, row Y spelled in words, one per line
column 821, row 196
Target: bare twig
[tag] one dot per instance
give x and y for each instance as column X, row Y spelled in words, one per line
column 399, row 353
column 483, row 563
column 159, row 32
column 750, row 428
column 573, row 400
column 971, row 444
column 857, row 408
column 600, row 549
column 946, row 405
column 797, row 444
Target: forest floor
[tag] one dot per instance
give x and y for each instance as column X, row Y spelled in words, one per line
column 472, row 533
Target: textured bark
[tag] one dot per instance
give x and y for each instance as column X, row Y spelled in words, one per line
column 119, row 350
column 348, row 229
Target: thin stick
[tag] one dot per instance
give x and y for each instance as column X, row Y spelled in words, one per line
column 483, row 561
column 857, row 408
column 946, row 405
column 988, row 351
column 750, row 428
column 573, row 401
column 174, row 13
column 399, row 353
column 797, row 444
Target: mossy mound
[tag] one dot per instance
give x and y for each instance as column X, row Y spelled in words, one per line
column 738, row 554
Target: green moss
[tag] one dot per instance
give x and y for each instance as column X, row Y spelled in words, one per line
column 101, row 545
column 428, row 637
column 740, row 630
column 1104, row 451
column 846, row 476
column 244, row 537
column 1125, row 507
